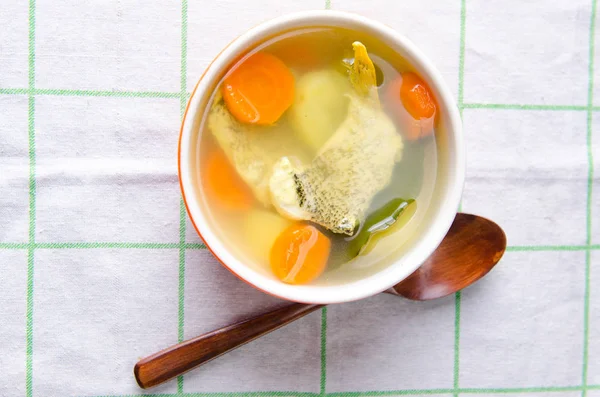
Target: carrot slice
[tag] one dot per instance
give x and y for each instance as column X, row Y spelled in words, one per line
column 223, row 183
column 259, row 90
column 417, row 97
column 299, row 254
column 417, row 109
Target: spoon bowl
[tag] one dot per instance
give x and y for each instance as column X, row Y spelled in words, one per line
column 471, row 248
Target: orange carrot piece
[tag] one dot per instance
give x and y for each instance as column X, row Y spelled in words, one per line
column 223, row 184
column 259, row 90
column 419, row 109
column 299, row 254
column 417, row 97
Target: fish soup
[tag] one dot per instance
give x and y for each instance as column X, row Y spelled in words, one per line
column 317, row 155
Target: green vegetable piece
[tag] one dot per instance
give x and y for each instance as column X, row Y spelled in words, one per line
column 379, row 221
column 401, row 222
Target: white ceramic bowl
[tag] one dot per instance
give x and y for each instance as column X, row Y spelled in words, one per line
column 446, row 194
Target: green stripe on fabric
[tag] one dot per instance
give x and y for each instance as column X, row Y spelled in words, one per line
column 164, row 94
column 520, row 390
column 32, row 191
column 32, row 161
column 254, row 394
column 14, row 91
column 29, row 325
column 181, row 308
column 590, row 100
column 201, row 246
column 195, row 246
column 182, row 211
column 106, row 245
column 14, row 246
column 323, row 377
column 517, row 248
column 141, row 395
column 223, row 394
column 89, row 93
column 31, row 49
column 323, row 383
column 521, row 106
column 457, row 308
column 461, row 83
column 515, row 390
column 183, row 70
column 586, row 323
column 390, row 392
column 30, row 250
column 118, row 94
column 181, row 270
column 590, row 157
column 449, row 391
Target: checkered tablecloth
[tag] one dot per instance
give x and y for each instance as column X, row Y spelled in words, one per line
column 99, row 265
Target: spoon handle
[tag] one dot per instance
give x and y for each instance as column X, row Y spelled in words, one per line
column 175, row 360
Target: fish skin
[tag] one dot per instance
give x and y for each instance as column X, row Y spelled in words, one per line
column 336, row 189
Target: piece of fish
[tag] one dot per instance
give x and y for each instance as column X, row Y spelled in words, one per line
column 336, row 188
column 252, row 150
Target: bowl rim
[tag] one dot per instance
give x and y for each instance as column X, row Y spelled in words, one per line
column 393, row 273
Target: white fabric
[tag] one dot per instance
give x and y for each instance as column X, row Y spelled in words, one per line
column 96, row 247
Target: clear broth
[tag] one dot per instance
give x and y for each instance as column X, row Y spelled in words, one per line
column 413, row 177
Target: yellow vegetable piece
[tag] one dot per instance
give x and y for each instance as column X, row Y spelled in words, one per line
column 261, row 228
column 320, row 105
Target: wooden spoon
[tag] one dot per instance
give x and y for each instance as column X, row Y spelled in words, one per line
column 469, row 251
